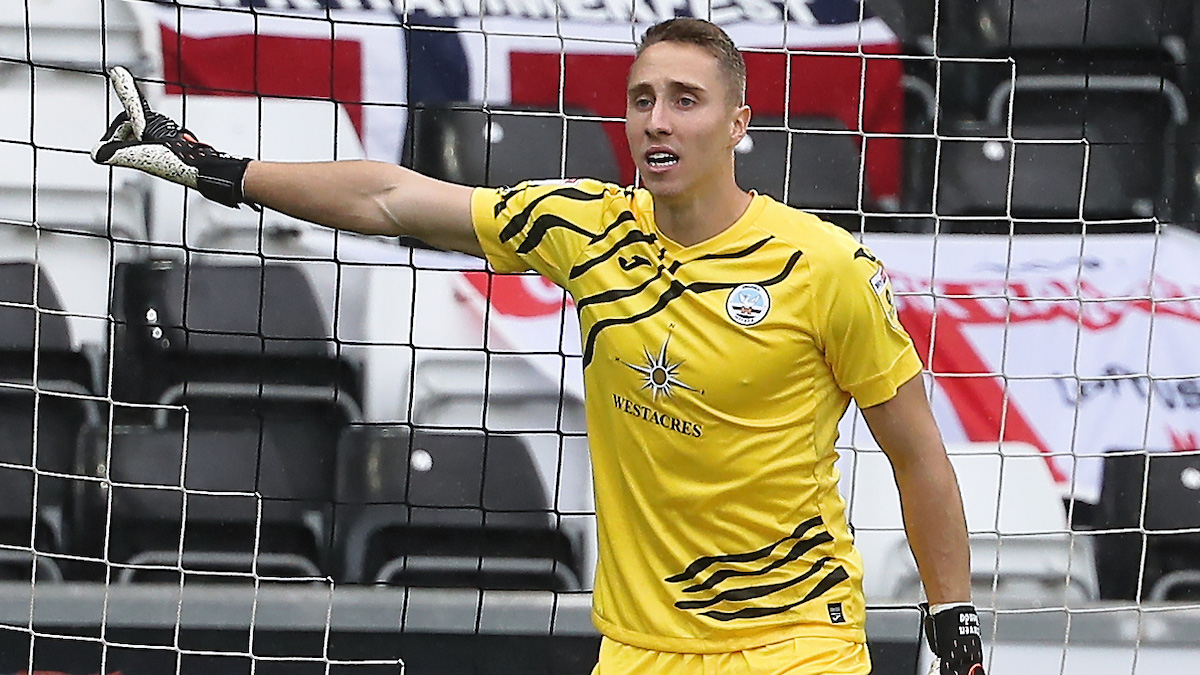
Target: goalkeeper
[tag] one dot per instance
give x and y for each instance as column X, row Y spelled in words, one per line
column 724, row 335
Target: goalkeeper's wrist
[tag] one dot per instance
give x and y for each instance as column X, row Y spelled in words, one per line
column 941, row 606
column 221, row 179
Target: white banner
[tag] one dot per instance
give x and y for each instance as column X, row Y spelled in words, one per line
column 1076, row 345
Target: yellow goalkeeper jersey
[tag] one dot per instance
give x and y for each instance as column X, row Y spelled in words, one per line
column 715, row 377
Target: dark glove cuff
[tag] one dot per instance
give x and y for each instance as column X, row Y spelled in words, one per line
column 220, row 179
column 953, row 635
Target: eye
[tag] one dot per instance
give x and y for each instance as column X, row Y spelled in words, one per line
column 642, row 103
column 686, row 101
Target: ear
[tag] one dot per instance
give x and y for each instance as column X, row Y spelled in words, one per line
column 739, row 124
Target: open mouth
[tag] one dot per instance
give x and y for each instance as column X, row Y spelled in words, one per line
column 661, row 160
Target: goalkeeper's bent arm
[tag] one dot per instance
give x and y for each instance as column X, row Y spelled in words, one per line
column 934, row 523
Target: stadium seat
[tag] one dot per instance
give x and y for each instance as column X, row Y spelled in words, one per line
column 183, row 330
column 1187, row 210
column 1013, row 25
column 994, row 27
column 447, row 509
column 241, row 398
column 1110, row 139
column 36, row 486
column 504, row 146
column 1148, row 525
column 824, row 169
column 203, row 504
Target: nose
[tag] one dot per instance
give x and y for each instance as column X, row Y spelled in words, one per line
column 659, row 123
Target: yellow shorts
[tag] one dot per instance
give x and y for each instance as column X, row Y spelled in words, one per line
column 798, row 656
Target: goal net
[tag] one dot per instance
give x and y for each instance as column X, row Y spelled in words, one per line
column 231, row 441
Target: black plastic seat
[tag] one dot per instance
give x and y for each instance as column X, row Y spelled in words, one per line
column 449, row 510
column 188, row 330
column 1101, row 147
column 497, row 147
column 1150, row 500
column 236, row 371
column 1006, row 25
column 60, row 402
column 201, row 505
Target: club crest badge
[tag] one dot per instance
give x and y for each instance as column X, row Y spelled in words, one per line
column 748, row 304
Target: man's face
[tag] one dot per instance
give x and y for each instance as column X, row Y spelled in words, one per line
column 679, row 120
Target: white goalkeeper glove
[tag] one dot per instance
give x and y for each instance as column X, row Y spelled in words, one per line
column 953, row 635
column 142, row 139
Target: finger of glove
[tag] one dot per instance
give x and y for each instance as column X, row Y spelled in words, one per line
column 131, row 98
column 153, row 158
column 103, row 152
column 120, row 129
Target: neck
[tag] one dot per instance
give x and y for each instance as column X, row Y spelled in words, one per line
column 690, row 219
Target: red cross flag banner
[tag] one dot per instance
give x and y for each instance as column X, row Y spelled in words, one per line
column 1075, row 345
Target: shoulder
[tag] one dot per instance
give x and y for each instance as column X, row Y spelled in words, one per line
column 827, row 247
column 581, row 202
column 532, row 193
column 577, row 190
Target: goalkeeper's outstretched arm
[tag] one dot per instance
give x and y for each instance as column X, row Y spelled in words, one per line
column 367, row 197
column 360, row 196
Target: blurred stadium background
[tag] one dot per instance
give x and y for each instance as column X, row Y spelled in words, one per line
column 234, row 442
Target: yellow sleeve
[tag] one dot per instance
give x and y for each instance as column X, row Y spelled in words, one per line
column 868, row 350
column 542, row 226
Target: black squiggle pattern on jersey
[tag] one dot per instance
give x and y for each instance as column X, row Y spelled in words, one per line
column 675, row 290
column 797, row 550
column 507, row 193
column 622, row 217
column 700, row 564
column 618, row 293
column 806, row 537
column 631, row 237
column 543, row 224
column 518, row 222
column 754, row 592
column 737, row 254
column 836, row 576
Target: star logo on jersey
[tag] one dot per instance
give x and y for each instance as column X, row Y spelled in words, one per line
column 659, row 373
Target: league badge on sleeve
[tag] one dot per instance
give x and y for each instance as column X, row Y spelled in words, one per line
column 748, row 304
column 882, row 285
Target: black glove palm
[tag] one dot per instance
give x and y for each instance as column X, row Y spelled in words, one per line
column 142, row 139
